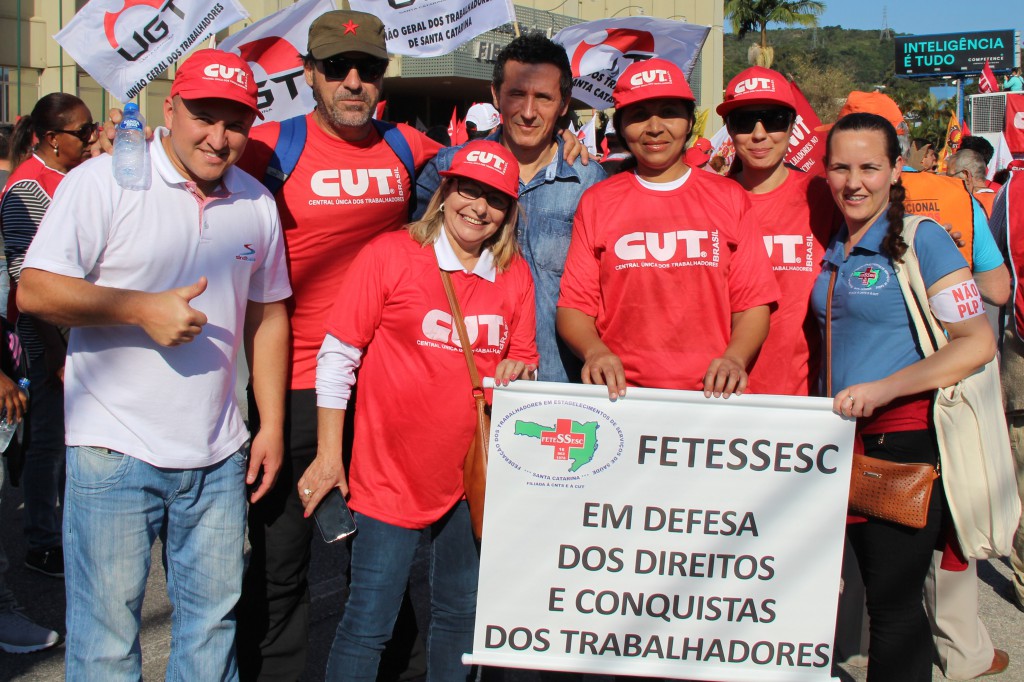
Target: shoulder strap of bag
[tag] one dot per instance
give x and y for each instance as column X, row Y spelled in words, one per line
column 290, row 142
column 828, row 332
column 929, row 332
column 460, row 327
column 399, row 145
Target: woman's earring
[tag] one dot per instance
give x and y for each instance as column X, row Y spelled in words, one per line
column 56, row 150
column 440, row 207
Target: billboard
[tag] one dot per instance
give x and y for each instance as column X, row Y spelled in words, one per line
column 955, row 54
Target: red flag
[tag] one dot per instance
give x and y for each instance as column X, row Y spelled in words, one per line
column 988, row 82
column 453, row 125
column 379, row 112
column 457, row 129
column 964, row 129
column 1014, row 130
column 806, row 147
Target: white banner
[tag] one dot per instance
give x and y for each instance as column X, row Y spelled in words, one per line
column 429, row 28
column 125, row 44
column 274, row 47
column 665, row 534
column 601, row 50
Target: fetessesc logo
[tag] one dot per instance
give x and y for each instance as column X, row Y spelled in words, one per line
column 558, row 443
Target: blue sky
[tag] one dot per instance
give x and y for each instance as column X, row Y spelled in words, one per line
column 925, row 16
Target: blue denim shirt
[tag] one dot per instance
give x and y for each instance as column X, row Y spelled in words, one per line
column 548, row 204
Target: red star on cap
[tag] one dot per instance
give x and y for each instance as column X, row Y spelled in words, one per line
column 350, row 27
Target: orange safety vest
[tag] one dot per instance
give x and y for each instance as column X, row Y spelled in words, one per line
column 986, row 199
column 946, row 201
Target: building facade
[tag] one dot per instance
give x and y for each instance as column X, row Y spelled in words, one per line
column 32, row 64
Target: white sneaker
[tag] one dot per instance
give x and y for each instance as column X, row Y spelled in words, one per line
column 19, row 635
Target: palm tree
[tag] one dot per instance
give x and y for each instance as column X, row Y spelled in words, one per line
column 755, row 15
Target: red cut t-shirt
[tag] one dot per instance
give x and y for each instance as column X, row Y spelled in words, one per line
column 339, row 197
column 796, row 220
column 415, row 413
column 663, row 271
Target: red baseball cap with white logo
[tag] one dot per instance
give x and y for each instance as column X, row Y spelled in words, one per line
column 651, row 79
column 216, row 74
column 757, row 86
column 488, row 163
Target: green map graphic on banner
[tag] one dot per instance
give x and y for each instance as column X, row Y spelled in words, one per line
column 572, row 440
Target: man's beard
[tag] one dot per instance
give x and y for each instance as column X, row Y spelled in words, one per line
column 336, row 117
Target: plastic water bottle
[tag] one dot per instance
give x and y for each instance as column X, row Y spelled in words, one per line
column 131, row 156
column 7, row 429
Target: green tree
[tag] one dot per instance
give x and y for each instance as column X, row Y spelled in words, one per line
column 755, row 15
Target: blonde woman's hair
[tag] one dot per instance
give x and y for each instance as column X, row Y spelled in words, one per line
column 503, row 244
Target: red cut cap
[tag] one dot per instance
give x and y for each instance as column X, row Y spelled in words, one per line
column 651, row 79
column 216, row 74
column 488, row 163
column 757, row 86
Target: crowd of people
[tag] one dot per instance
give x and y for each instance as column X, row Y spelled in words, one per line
column 133, row 305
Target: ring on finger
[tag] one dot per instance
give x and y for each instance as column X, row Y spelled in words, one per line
column 850, row 397
column 307, row 492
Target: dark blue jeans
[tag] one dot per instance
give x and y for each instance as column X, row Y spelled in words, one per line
column 382, row 556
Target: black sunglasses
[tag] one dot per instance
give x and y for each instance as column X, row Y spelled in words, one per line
column 368, row 68
column 84, row 133
column 472, row 190
column 773, row 120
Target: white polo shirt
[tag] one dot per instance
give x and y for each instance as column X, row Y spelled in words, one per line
column 170, row 407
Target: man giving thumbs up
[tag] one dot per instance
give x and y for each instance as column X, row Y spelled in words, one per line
column 161, row 287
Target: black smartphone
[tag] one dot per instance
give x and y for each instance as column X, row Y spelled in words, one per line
column 333, row 517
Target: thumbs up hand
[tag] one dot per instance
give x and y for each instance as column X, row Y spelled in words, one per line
column 169, row 318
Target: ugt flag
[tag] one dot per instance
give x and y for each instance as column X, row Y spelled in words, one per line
column 988, row 82
column 274, row 47
column 429, row 28
column 141, row 38
column 601, row 50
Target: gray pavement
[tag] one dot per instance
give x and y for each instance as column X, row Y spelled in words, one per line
column 43, row 599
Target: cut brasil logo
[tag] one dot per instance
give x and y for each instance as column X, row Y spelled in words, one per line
column 558, row 443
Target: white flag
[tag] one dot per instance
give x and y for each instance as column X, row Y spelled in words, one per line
column 429, row 28
column 724, row 150
column 587, row 135
column 274, row 47
column 1001, row 158
column 601, row 50
column 141, row 38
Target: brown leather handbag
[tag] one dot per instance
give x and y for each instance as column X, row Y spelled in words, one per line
column 881, row 489
column 474, row 473
column 891, row 491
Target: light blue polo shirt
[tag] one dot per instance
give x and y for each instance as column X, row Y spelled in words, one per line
column 871, row 326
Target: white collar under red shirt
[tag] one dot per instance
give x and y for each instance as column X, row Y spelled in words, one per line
column 447, row 259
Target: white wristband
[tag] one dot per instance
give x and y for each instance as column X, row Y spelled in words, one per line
column 957, row 303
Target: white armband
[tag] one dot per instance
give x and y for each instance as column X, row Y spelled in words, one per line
column 957, row 303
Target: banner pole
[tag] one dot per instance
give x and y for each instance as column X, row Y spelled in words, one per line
column 959, row 100
column 515, row 19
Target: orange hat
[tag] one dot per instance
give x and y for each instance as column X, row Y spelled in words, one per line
column 489, row 163
column 757, row 85
column 872, row 103
column 215, row 74
column 650, row 79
